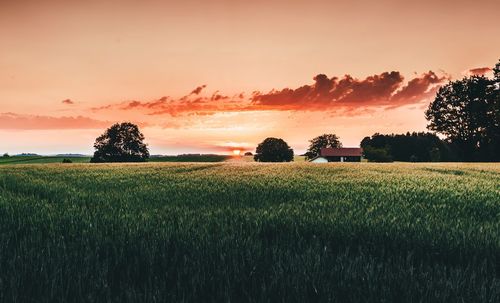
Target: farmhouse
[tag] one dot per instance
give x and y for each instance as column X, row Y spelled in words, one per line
column 350, row 154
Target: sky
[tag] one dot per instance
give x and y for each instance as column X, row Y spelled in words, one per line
column 214, row 76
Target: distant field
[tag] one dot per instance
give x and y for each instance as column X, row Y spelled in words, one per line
column 40, row 159
column 49, row 159
column 250, row 232
column 180, row 158
column 190, row 158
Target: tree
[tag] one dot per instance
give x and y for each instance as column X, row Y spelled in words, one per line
column 413, row 147
column 273, row 150
column 374, row 154
column 6, row 155
column 323, row 141
column 120, row 143
column 467, row 112
column 248, row 154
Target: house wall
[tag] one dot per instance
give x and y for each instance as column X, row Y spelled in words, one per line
column 320, row 160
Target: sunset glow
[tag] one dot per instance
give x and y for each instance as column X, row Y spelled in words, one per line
column 213, row 76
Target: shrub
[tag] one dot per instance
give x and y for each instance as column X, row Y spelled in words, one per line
column 373, row 154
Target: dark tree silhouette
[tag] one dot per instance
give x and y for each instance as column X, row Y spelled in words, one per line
column 273, row 150
column 120, row 143
column 467, row 112
column 248, row 154
column 323, row 141
column 413, row 147
column 375, row 154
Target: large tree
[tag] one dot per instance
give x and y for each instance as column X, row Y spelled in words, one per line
column 122, row 142
column 323, row 141
column 467, row 112
column 273, row 150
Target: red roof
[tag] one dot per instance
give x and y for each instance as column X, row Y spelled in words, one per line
column 341, row 152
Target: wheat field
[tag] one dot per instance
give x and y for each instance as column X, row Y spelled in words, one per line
column 250, row 232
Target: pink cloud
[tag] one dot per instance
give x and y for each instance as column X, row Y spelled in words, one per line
column 13, row 121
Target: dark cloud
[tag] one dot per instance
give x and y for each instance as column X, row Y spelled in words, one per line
column 480, row 71
column 384, row 90
column 418, row 88
column 67, row 101
column 198, row 90
column 216, row 96
column 346, row 94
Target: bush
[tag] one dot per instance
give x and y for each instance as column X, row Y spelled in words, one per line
column 67, row 161
column 373, row 154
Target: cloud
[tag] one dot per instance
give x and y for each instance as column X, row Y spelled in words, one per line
column 419, row 88
column 216, row 96
column 67, row 101
column 198, row 90
column 480, row 71
column 134, row 104
column 347, row 95
column 29, row 122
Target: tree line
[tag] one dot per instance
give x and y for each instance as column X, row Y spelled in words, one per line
column 466, row 113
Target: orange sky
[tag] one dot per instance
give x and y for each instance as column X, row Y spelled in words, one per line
column 207, row 76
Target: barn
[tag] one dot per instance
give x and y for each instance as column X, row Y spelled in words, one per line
column 348, row 154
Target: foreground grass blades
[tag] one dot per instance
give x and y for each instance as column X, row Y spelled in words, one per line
column 245, row 232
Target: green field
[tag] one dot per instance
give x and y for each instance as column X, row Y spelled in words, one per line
column 190, row 158
column 59, row 159
column 41, row 159
column 250, row 232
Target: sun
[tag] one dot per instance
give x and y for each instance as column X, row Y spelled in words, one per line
column 236, row 152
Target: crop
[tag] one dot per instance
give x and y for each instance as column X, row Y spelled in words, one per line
column 84, row 159
column 250, row 232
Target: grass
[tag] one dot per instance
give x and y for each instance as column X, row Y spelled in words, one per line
column 59, row 159
column 41, row 159
column 246, row 232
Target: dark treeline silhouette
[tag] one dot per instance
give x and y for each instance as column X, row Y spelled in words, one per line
column 467, row 112
column 410, row 147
